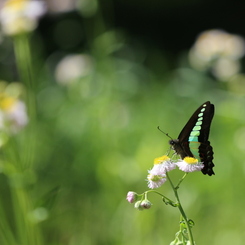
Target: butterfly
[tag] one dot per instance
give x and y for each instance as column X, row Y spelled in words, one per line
column 193, row 139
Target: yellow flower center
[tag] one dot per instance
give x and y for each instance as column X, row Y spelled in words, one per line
column 6, row 102
column 155, row 178
column 16, row 4
column 190, row 160
column 159, row 160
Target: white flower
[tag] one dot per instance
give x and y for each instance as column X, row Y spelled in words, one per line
column 189, row 164
column 20, row 16
column 215, row 43
column 155, row 181
column 157, row 175
column 16, row 115
column 162, row 165
column 13, row 114
column 73, row 67
column 218, row 51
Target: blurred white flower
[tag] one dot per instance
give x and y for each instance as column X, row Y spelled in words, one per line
column 13, row 113
column 225, row 68
column 16, row 115
column 20, row 16
column 61, row 6
column 219, row 51
column 13, row 116
column 73, row 67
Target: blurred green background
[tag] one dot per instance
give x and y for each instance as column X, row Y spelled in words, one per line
column 107, row 73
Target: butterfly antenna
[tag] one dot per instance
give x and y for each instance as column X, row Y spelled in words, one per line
column 164, row 132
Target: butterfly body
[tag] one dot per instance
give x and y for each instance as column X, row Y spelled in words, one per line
column 193, row 139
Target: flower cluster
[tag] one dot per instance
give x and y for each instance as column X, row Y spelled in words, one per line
column 218, row 51
column 162, row 165
column 133, row 197
column 158, row 175
column 20, row 16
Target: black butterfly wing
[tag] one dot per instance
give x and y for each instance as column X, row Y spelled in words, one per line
column 205, row 149
column 206, row 122
column 182, row 147
column 206, row 155
column 207, row 118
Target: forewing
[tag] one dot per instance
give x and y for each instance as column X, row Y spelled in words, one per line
column 207, row 118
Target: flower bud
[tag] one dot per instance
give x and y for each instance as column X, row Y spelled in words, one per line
column 138, row 205
column 132, row 197
column 145, row 204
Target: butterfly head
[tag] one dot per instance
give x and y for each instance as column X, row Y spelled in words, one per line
column 174, row 142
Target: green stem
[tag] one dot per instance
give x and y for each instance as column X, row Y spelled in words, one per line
column 25, row 69
column 180, row 181
column 28, row 232
column 24, row 60
column 26, row 73
column 160, row 194
column 182, row 212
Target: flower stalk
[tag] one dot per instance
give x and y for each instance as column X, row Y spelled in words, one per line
column 182, row 212
column 24, row 65
column 157, row 176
